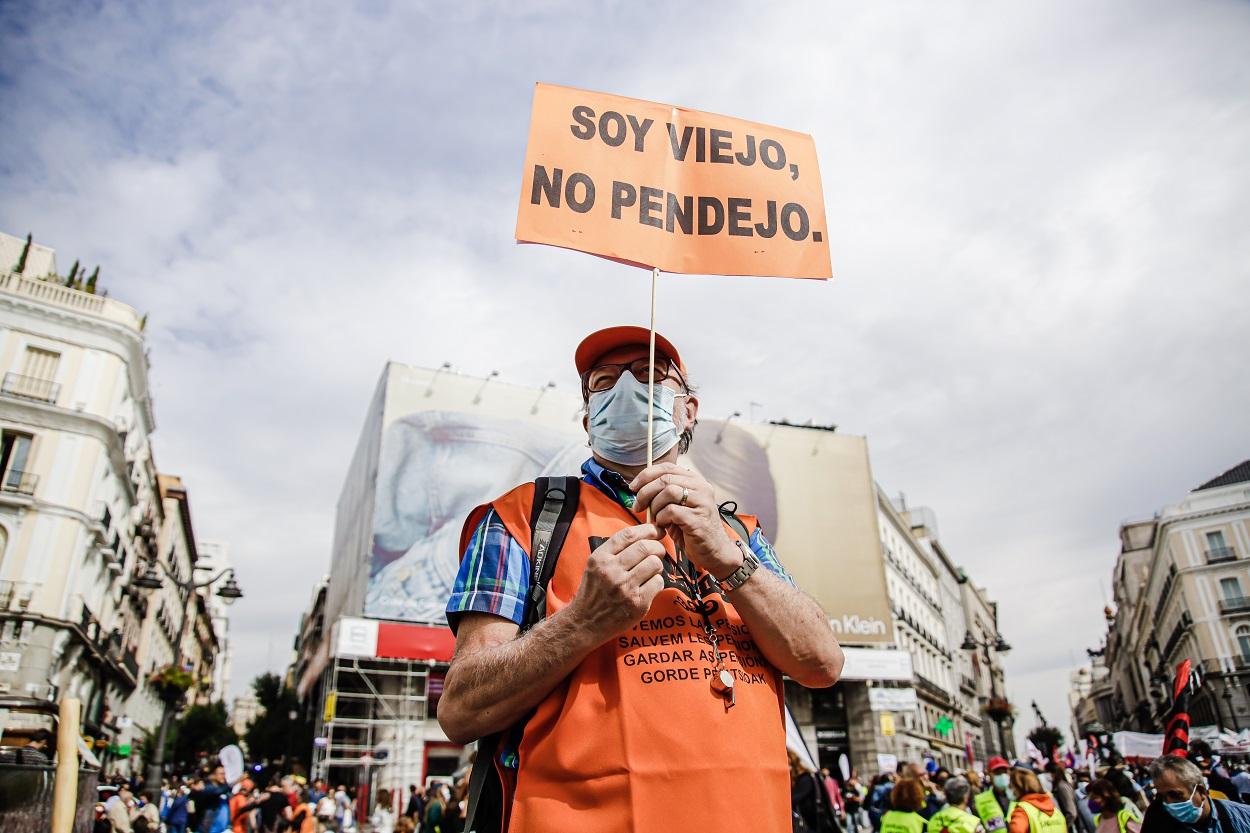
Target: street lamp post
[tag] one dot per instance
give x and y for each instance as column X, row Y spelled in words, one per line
column 998, row 645
column 148, row 582
column 1228, row 700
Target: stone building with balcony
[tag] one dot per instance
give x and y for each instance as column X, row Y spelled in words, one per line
column 81, row 506
column 1181, row 585
column 936, row 610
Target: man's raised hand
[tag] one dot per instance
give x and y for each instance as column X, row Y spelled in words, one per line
column 622, row 577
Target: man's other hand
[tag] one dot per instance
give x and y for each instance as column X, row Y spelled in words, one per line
column 622, row 577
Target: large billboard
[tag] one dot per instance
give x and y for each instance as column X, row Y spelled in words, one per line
column 436, row 444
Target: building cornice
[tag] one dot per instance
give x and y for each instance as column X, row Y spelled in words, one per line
column 55, row 418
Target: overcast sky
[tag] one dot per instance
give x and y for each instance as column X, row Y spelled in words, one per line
column 1038, row 215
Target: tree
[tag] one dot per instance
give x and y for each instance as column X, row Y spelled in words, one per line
column 91, row 281
column 21, row 261
column 203, row 730
column 273, row 735
column 1047, row 739
column 73, row 273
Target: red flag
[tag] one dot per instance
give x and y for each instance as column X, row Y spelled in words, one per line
column 1176, row 736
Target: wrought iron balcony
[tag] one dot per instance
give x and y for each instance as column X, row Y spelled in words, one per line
column 1219, row 555
column 30, row 387
column 932, row 689
column 1235, row 604
column 19, row 482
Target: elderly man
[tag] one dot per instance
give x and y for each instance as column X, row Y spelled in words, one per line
column 1183, row 805
column 954, row 816
column 653, row 686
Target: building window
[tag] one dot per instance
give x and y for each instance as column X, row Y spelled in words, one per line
column 1217, row 548
column 37, row 377
column 1231, row 588
column 1242, row 634
column 14, row 460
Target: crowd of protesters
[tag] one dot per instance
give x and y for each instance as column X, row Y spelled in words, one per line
column 206, row 802
column 1172, row 795
column 1017, row 797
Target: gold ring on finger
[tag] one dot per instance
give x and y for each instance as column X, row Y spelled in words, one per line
column 685, row 493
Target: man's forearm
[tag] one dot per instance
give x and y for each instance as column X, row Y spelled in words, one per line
column 790, row 629
column 491, row 689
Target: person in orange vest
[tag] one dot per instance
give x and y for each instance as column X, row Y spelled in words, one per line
column 241, row 822
column 653, row 684
column 1033, row 810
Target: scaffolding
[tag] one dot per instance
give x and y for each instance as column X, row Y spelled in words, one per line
column 376, row 722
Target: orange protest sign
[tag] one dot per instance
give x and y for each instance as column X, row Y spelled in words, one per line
column 663, row 187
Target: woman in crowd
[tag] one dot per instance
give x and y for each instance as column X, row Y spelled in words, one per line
column 1034, row 810
column 1113, row 813
column 906, row 800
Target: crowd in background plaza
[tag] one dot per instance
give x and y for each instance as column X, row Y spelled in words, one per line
column 1020, row 797
column 206, row 802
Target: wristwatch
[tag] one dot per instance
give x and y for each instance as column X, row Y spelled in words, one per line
column 739, row 576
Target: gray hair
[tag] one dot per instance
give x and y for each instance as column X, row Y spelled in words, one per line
column 1183, row 769
column 956, row 789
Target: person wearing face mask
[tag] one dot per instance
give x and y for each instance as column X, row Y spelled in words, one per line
column 1113, row 813
column 1033, row 809
column 1183, row 803
column 651, row 691
column 992, row 804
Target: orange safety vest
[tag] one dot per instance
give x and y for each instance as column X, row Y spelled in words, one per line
column 635, row 739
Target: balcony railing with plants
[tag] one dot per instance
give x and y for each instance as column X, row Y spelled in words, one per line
column 999, row 708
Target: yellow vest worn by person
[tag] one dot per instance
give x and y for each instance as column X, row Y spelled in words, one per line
column 1040, row 822
column 989, row 810
column 635, row 740
column 953, row 820
column 1124, row 816
column 902, row 821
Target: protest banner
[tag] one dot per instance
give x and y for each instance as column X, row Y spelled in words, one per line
column 671, row 189
column 676, row 190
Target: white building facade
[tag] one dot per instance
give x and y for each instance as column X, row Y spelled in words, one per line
column 81, row 508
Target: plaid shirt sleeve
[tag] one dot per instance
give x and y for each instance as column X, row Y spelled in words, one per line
column 767, row 556
column 493, row 576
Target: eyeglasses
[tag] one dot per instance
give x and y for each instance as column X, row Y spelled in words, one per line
column 605, row 376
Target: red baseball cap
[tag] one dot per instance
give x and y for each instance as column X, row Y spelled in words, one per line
column 997, row 762
column 601, row 342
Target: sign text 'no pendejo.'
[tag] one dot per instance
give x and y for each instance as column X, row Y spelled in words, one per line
column 676, row 189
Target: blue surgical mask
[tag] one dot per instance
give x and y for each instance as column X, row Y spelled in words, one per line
column 1186, row 812
column 1001, row 780
column 618, row 422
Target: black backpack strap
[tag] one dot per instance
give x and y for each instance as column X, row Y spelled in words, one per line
column 728, row 513
column 555, row 504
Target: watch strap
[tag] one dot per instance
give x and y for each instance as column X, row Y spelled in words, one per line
column 739, row 576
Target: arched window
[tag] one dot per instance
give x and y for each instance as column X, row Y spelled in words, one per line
column 1242, row 635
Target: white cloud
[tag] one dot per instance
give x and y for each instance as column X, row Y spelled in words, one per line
column 1037, row 213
